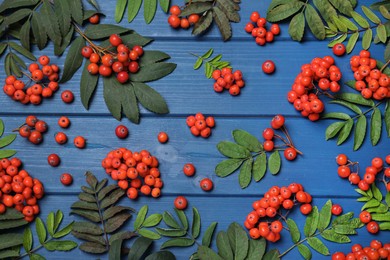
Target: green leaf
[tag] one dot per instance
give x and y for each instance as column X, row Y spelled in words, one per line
column 370, row 204
column 88, row 85
column 344, row 7
column 196, row 8
column 178, row 242
column 272, row 255
column 227, row 167
column 133, row 9
column 376, row 192
column 16, row 16
column 318, row 245
column 8, row 4
column 1, row 127
column 376, row 126
column 207, row 253
column 112, row 90
column 384, row 12
column 84, row 205
column 122, row 235
column 59, row 49
column 73, row 60
column 360, row 20
column 274, row 162
column 6, row 153
column 381, row 32
column 87, row 227
column 149, row 234
column 222, row 22
column 153, row 72
column 170, row 221
column 3, row 46
column 381, row 216
column 232, row 150
column 64, row 245
column 360, row 132
column 208, row 53
column 22, row 51
column 223, row 245
column 129, row 104
column 204, row 22
column 259, row 167
column 10, row 240
column 88, row 214
column 164, row 4
column 139, row 248
column 256, row 249
column 315, row 23
column 150, row 57
column 208, row 234
column 120, row 10
column 76, row 9
column 141, row 216
column 150, row 99
column 384, row 226
column 63, row 13
column 94, row 4
column 113, row 210
column 326, row 9
column 167, row 232
column 161, row 255
column 344, row 230
column 115, row 249
column 304, row 251
column 387, row 198
column 345, row 132
column 38, row 31
column 152, row 220
column 311, row 222
column 296, row 28
column 10, row 253
column 370, row 15
column 25, row 35
column 336, row 115
column 63, row 232
column 247, row 140
column 349, row 105
column 294, row 231
column 238, row 240
column 367, row 39
column 183, row 218
column 50, row 223
column 50, row 22
column 27, row 239
column 198, row 63
column 7, row 140
column 41, row 230
column 195, row 230
column 350, row 25
column 332, row 236
column 11, row 214
column 101, row 185
column 150, row 7
column 245, row 175
column 103, row 31
column 343, row 219
column 352, row 42
column 284, row 11
column 325, row 216
column 93, row 248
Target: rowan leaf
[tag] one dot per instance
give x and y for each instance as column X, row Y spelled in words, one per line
column 178, row 242
column 326, row 10
column 360, row 132
column 315, row 23
column 381, row 33
column 245, row 175
column 376, row 126
column 332, row 236
column 344, row 7
column 150, row 99
column 63, row 245
column 223, row 245
column 153, row 71
column 103, row 31
column 387, row 118
column 120, row 10
column 367, row 39
column 294, row 231
column 87, row 228
column 227, row 167
column 259, row 167
column 196, row 8
column 7, row 140
column 345, row 132
column 311, row 222
column 27, row 239
column 195, row 229
column 76, row 9
column 39, row 32
column 170, row 221
column 164, row 4
column 41, row 230
column 233, row 150
column 360, row 20
column 371, row 15
column 325, row 216
column 304, row 251
column 336, row 115
column 247, row 140
column 93, row 248
column 208, row 234
column 150, row 7
column 64, row 16
column 22, row 51
column 284, row 11
column 203, row 24
column 238, row 240
column 133, row 9
column 73, row 59
column 318, row 245
column 274, row 162
column 222, row 22
column 116, row 222
column 297, row 27
column 352, row 42
column 10, row 240
column 50, row 22
column 139, row 247
column 16, row 16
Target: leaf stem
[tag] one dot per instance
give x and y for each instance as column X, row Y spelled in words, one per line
column 34, row 249
column 101, row 219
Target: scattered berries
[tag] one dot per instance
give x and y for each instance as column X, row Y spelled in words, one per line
column 121, row 131
column 64, row 122
column 200, row 125
column 79, row 142
column 336, row 209
column 33, row 129
column 180, row 202
column 136, row 172
column 67, row 96
column 181, row 22
column 229, row 80
column 257, row 28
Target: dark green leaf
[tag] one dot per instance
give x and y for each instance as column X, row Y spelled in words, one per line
column 38, row 31
column 133, row 9
column 352, row 42
column 50, row 223
column 150, row 57
column 64, row 16
column 73, row 59
column 367, row 39
column 27, row 239
column 141, row 216
column 256, row 249
column 76, row 9
column 161, row 255
column 315, row 23
column 150, row 7
column 59, row 49
column 275, row 3
column 3, row 46
column 8, row 4
column 345, row 132
column 360, row 20
column 349, row 105
column 10, row 253
column 7, row 65
column 152, row 220
column 84, row 205
column 167, row 232
column 360, row 132
column 222, row 22
column 304, row 251
column 259, row 167
column 41, row 230
column 91, row 180
column 245, row 175
column 120, row 10
column 195, row 230
column 326, row 9
column 106, row 190
column 344, row 7
column 129, row 104
column 325, row 216
column 50, row 22
column 87, row 227
column 318, row 245
column 93, row 248
column 103, row 31
column 25, row 35
column 88, row 85
column 115, row 250
column 164, row 4
column 196, row 8
column 207, row 253
column 178, row 242
column 223, row 245
column 272, row 255
column 11, row 214
column 331, row 235
column 311, row 222
column 232, row 150
column 336, row 115
column 88, row 214
column 7, row 140
column 376, row 126
column 113, row 210
column 203, row 23
column 150, row 99
column 183, row 218
column 370, row 15
column 64, row 245
column 16, row 16
column 139, row 248
column 294, row 231
column 247, row 140
column 284, row 11
column 116, row 222
column 274, row 162
column 101, row 185
column 111, row 92
column 63, row 232
column 94, row 4
column 153, row 71
column 208, row 234
column 227, row 167
column 10, row 240
column 238, row 240
column 22, row 51
column 122, row 235
column 170, row 221
column 6, row 153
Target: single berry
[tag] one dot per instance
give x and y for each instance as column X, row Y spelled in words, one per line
column 206, row 184
column 180, row 202
column 162, row 137
column 66, row 179
column 268, row 67
column 53, row 160
column 121, row 131
column 189, row 169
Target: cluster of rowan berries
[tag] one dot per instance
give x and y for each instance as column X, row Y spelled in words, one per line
column 257, row 27
column 229, row 80
column 123, row 62
column 33, row 129
column 135, row 172
column 375, row 251
column 18, row 189
column 303, row 92
column 44, row 79
column 370, row 81
column 200, row 125
column 347, row 168
column 175, row 20
column 258, row 221
column 277, row 122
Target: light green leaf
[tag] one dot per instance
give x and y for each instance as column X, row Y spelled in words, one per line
column 195, row 230
column 360, row 20
column 140, row 217
column 381, row 32
column 274, row 162
column 304, row 251
column 63, row 245
column 41, row 230
column 293, row 229
column 315, row 23
column 367, row 39
column 344, row 7
column 120, row 10
column 325, row 216
column 170, row 221
column 7, row 140
column 311, row 222
column 198, row 63
column 50, row 223
column 150, row 7
column 152, row 220
column 352, row 42
column 345, row 132
column 284, row 11
column 318, row 245
column 370, row 15
column 148, row 234
column 133, row 9
column 332, row 236
column 27, row 239
column 247, row 140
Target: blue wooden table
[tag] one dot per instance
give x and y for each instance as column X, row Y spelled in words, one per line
column 188, row 91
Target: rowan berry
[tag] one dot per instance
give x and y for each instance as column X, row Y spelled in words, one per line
column 268, row 145
column 122, row 77
column 115, row 40
column 67, row 96
column 44, row 60
column 189, row 169
column 61, row 138
column 162, row 137
column 121, row 131
column 206, row 184
column 268, row 133
column 105, row 71
column 305, row 209
column 290, row 154
column 94, row 19
column 336, row 209
column 372, row 227
column 275, row 29
column 41, row 126
column 268, row 67
column 53, row 160
column 79, row 142
column 35, row 137
column 343, row 171
column 174, row 21
column 66, row 179
column 86, row 51
column 180, row 202
column 156, row 192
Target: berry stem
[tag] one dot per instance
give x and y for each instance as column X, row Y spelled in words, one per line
column 281, row 138
column 385, row 66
